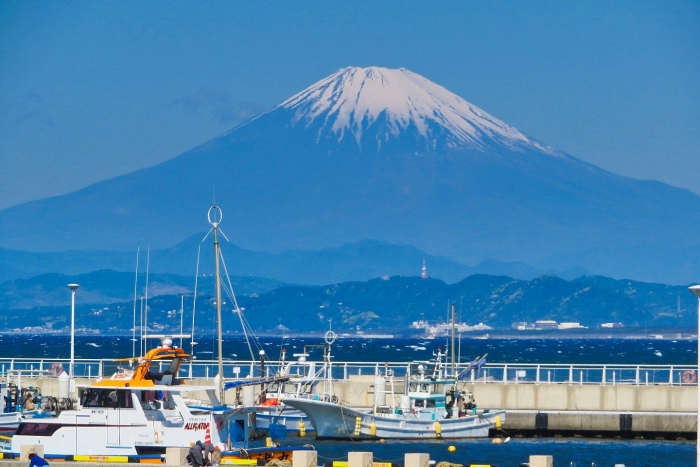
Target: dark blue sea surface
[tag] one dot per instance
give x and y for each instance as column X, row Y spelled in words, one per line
column 569, row 350
column 567, row 452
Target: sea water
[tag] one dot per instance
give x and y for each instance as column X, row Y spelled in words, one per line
column 571, row 351
column 567, row 452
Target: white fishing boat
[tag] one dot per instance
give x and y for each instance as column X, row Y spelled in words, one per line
column 134, row 413
column 272, row 414
column 137, row 414
column 431, row 407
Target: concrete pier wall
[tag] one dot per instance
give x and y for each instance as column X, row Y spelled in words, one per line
column 573, row 397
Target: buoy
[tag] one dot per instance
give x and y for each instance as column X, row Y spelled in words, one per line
column 438, row 430
column 498, row 422
column 496, row 441
column 268, row 442
column 56, row 369
column 689, row 377
column 373, row 429
column 302, row 429
column 451, row 449
column 358, row 422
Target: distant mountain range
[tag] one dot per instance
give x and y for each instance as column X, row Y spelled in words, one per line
column 351, row 262
column 376, row 153
column 104, row 302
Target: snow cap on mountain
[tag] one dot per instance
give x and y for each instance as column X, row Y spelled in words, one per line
column 354, row 99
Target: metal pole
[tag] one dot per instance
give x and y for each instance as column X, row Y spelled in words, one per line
column 696, row 291
column 452, row 367
column 72, row 287
column 215, row 225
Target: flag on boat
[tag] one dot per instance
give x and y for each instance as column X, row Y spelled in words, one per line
column 475, row 364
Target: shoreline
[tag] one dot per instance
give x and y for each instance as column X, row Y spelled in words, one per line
column 494, row 334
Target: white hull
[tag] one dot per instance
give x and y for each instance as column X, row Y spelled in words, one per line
column 120, row 431
column 289, row 418
column 333, row 421
column 9, row 423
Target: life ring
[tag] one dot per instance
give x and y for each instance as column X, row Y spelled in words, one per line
column 56, row 369
column 689, row 377
column 219, row 423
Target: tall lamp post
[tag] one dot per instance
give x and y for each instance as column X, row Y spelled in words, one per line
column 696, row 290
column 72, row 288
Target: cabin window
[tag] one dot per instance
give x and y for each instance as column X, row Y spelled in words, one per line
column 37, row 429
column 427, row 403
column 273, row 387
column 124, row 400
column 100, row 398
column 174, row 365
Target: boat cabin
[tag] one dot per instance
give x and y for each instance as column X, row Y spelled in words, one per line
column 118, row 398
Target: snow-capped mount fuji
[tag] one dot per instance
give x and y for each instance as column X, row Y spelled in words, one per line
column 374, row 153
column 388, row 103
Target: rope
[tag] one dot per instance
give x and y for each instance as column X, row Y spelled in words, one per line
column 279, row 462
column 398, row 460
column 447, row 464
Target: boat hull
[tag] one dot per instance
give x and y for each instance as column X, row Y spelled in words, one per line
column 9, row 423
column 288, row 418
column 333, row 421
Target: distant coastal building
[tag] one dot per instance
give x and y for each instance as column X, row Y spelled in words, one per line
column 612, row 325
column 424, row 271
column 546, row 324
column 444, row 329
column 571, row 326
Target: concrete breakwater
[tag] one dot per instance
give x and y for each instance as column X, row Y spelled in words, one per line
column 540, row 409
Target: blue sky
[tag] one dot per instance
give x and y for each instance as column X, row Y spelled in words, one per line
column 91, row 90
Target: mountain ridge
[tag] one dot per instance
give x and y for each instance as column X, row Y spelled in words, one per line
column 388, row 304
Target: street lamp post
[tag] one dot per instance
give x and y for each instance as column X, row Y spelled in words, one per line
column 73, row 288
column 696, row 291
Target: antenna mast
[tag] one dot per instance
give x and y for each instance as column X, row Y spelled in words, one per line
column 215, row 215
column 453, row 340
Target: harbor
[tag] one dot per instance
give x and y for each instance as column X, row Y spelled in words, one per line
column 542, row 400
column 593, row 411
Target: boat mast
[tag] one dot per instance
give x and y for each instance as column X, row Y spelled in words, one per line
column 194, row 306
column 133, row 327
column 144, row 330
column 453, row 340
column 215, row 212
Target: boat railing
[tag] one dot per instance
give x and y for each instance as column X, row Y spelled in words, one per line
column 490, row 373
